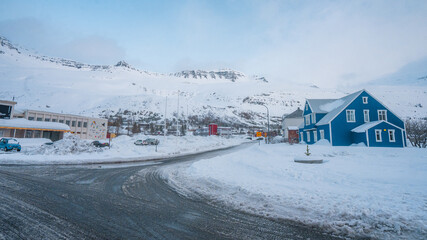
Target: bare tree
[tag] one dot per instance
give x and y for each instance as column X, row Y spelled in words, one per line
column 417, row 132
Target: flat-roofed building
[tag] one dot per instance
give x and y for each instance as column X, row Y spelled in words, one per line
column 84, row 127
column 6, row 109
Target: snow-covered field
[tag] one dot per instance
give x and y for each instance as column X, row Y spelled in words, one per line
column 72, row 150
column 369, row 192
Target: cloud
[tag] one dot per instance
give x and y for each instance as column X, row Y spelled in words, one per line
column 94, row 50
column 341, row 44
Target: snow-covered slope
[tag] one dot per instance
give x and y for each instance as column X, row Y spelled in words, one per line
column 61, row 85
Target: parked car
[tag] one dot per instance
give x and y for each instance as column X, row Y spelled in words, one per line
column 148, row 141
column 100, row 144
column 8, row 144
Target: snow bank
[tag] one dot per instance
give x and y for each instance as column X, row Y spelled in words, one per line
column 72, row 150
column 358, row 192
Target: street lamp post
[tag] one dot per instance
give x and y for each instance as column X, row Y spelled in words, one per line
column 268, row 124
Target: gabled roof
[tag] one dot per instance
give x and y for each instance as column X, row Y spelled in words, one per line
column 296, row 114
column 316, row 103
column 336, row 107
column 362, row 128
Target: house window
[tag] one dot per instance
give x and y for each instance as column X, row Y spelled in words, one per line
column 306, row 107
column 378, row 135
column 61, row 121
column 366, row 115
column 307, row 120
column 73, row 123
column 350, row 116
column 313, row 118
column 67, row 122
column 382, row 115
column 302, row 137
column 85, row 124
column 39, row 119
column 315, row 136
column 47, row 119
column 391, row 136
column 322, row 134
column 79, row 124
column 53, row 120
column 365, row 100
column 308, row 136
column 31, row 118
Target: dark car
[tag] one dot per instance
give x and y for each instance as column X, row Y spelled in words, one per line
column 8, row 144
column 100, row 144
column 148, row 141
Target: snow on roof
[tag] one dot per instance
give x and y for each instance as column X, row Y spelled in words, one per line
column 333, row 113
column 293, row 128
column 24, row 123
column 331, row 105
column 316, row 103
column 362, row 128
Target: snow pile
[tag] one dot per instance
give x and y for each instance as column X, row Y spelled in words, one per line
column 70, row 144
column 72, row 150
column 358, row 192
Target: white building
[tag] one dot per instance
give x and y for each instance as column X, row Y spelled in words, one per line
column 291, row 122
column 84, row 127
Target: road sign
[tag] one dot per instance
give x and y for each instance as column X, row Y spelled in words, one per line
column 258, row 134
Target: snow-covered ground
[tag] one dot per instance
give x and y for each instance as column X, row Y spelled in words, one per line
column 358, row 191
column 72, row 150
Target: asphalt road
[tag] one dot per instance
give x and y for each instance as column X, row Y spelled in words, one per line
column 99, row 202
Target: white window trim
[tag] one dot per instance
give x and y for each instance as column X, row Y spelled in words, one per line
column 308, row 136
column 302, row 136
column 378, row 131
column 315, row 136
column 322, row 134
column 307, row 120
column 366, row 115
column 347, row 114
column 313, row 118
column 365, row 100
column 394, row 136
column 385, row 114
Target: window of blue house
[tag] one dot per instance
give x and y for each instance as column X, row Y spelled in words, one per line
column 308, row 136
column 313, row 118
column 307, row 120
column 391, row 136
column 350, row 116
column 315, row 136
column 378, row 135
column 365, row 100
column 366, row 115
column 302, row 137
column 322, row 134
column 382, row 115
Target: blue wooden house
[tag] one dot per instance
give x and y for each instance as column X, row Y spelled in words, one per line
column 355, row 118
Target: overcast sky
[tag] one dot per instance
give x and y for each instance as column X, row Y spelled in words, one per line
column 327, row 43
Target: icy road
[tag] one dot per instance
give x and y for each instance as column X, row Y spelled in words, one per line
column 119, row 201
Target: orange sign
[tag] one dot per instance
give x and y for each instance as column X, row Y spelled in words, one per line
column 258, row 134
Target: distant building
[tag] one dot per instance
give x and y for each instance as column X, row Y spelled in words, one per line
column 290, row 125
column 41, row 124
column 355, row 118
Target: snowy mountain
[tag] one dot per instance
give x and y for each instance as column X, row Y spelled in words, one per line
column 227, row 96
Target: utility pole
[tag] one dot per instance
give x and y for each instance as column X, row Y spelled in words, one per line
column 268, row 124
column 177, row 118
column 166, row 110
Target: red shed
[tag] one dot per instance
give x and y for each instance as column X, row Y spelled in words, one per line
column 213, row 129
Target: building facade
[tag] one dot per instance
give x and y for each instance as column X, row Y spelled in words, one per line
column 290, row 124
column 353, row 119
column 84, row 127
